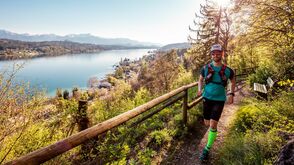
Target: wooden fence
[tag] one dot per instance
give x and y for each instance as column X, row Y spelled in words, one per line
column 44, row 154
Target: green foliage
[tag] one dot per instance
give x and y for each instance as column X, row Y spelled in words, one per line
column 287, row 83
column 161, row 136
column 184, row 78
column 65, row 94
column 270, row 22
column 145, row 156
column 195, row 113
column 257, row 132
column 20, row 104
column 155, row 125
column 58, row 92
column 40, row 133
column 33, row 138
column 284, row 105
column 251, row 149
column 116, row 102
column 111, row 80
column 119, row 73
column 118, row 145
column 263, row 117
column 142, row 96
column 283, row 60
column 122, row 161
column 178, row 119
column 261, row 74
column 268, row 36
column 197, row 57
column 67, row 107
column 161, row 73
column 146, row 138
column 84, row 96
column 246, row 55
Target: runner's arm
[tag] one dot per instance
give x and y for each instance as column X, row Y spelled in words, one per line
column 200, row 84
column 233, row 85
column 233, row 81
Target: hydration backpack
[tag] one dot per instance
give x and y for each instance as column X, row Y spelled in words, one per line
column 221, row 73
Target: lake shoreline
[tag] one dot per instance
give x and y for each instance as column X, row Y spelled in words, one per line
column 17, row 50
column 71, row 70
column 27, row 57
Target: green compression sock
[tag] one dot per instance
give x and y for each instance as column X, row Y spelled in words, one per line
column 211, row 137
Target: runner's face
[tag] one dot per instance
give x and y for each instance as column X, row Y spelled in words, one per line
column 216, row 56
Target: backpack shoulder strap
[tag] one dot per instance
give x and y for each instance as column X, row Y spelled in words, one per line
column 207, row 68
column 210, row 68
column 223, row 69
column 223, row 75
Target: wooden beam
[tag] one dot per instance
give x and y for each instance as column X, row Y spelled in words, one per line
column 158, row 110
column 53, row 150
column 194, row 102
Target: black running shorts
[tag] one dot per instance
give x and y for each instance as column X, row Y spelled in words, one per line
column 212, row 109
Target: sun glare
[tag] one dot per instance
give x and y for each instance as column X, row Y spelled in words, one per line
column 223, row 3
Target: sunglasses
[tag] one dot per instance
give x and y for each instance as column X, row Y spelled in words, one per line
column 215, row 54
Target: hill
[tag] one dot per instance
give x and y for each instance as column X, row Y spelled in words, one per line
column 14, row 49
column 80, row 38
column 181, row 48
column 169, row 47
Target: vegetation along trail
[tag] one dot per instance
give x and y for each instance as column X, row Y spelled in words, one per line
column 188, row 150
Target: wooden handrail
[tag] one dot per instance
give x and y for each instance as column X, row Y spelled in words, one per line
column 53, row 150
column 46, row 153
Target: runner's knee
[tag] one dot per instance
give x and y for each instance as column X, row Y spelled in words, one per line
column 207, row 122
column 213, row 124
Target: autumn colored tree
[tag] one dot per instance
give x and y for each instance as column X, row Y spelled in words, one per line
column 158, row 76
column 18, row 102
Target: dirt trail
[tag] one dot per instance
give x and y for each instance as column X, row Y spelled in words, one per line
column 188, row 150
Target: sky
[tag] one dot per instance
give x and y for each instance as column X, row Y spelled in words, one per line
column 157, row 21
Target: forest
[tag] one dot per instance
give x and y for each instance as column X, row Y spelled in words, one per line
column 254, row 33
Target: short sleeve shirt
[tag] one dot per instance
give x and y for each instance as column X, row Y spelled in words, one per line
column 213, row 91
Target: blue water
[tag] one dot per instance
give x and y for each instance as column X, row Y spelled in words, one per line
column 70, row 71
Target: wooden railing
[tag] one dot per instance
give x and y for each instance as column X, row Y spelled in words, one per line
column 53, row 150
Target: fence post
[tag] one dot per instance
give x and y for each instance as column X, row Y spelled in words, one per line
column 83, row 120
column 83, row 123
column 185, row 107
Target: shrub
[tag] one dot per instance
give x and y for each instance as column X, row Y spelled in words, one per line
column 253, row 148
column 145, row 156
column 20, row 104
column 257, row 132
column 260, row 76
column 161, row 136
column 184, row 78
column 284, row 105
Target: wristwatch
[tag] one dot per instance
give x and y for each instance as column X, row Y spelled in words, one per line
column 233, row 94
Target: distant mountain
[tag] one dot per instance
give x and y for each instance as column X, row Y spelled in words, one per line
column 81, row 38
column 169, row 47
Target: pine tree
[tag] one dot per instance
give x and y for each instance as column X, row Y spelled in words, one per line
column 211, row 26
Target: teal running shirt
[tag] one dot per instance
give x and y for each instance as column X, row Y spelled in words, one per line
column 213, row 91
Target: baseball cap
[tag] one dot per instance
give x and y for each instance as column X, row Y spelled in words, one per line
column 216, row 47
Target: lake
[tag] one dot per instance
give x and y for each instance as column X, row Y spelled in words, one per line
column 70, row 71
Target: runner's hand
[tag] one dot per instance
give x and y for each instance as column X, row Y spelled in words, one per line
column 199, row 93
column 230, row 99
